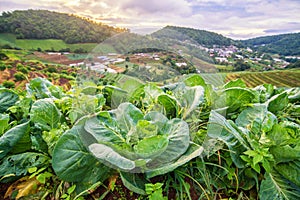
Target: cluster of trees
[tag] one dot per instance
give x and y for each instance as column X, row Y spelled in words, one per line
column 43, row 24
column 200, row 37
column 240, row 65
column 284, row 44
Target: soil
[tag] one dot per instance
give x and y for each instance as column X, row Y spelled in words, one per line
column 3, row 189
column 60, row 59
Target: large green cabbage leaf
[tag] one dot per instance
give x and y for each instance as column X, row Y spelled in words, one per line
column 274, row 186
column 228, row 132
column 45, row 114
column 235, row 98
column 15, row 166
column 10, row 139
column 7, row 99
column 72, row 162
column 42, row 88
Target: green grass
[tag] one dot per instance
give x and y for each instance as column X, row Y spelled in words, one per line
column 50, row 44
column 16, row 54
column 88, row 47
column 224, row 67
column 78, row 56
column 7, row 38
column 104, row 49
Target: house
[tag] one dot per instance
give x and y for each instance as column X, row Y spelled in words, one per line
column 181, row 64
column 76, row 64
column 220, row 60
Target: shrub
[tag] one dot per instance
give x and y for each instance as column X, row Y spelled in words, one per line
column 19, row 76
column 19, row 66
column 2, row 67
column 22, row 68
column 9, row 84
column 51, row 69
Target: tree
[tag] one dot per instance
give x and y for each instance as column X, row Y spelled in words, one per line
column 241, row 65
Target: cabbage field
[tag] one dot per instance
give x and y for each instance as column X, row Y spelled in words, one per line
column 133, row 140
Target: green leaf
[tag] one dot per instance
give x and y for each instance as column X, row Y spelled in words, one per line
column 229, row 133
column 257, row 119
column 194, row 80
column 134, row 182
column 127, row 116
column 169, row 103
column 145, row 129
column 4, row 119
column 10, row 139
column 20, row 163
column 179, row 138
column 110, row 157
column 235, row 98
column 265, row 92
column 151, row 147
column 71, row 161
column 284, row 134
column 193, row 151
column 84, row 105
column 42, row 88
column 104, row 128
column 71, row 189
column 294, row 94
column 45, row 114
column 266, row 165
column 192, row 98
column 129, row 84
column 250, row 153
column 43, row 177
column 257, row 158
column 290, row 170
column 286, row 153
column 256, row 167
column 153, row 187
column 278, row 102
column 7, row 99
column 276, row 187
column 115, row 95
column 235, row 83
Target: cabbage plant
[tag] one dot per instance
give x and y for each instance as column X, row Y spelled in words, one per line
column 130, row 141
column 127, row 140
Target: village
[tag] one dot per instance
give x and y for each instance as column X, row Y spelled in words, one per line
column 225, row 56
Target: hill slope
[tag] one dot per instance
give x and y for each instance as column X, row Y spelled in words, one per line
column 284, row 44
column 200, row 37
column 43, row 24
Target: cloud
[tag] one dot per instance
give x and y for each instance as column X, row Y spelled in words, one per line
column 234, row 18
column 157, row 6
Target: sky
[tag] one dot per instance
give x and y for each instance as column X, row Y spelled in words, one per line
column 237, row 19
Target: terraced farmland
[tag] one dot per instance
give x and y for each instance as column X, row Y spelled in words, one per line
column 284, row 78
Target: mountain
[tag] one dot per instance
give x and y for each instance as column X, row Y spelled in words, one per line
column 44, row 24
column 284, row 44
column 198, row 37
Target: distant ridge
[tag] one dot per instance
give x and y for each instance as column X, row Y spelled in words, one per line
column 44, row 24
column 284, row 44
column 200, row 37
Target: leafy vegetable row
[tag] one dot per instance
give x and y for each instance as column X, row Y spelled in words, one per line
column 143, row 130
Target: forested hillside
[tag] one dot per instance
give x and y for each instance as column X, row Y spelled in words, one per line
column 200, row 37
column 285, row 44
column 43, row 24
